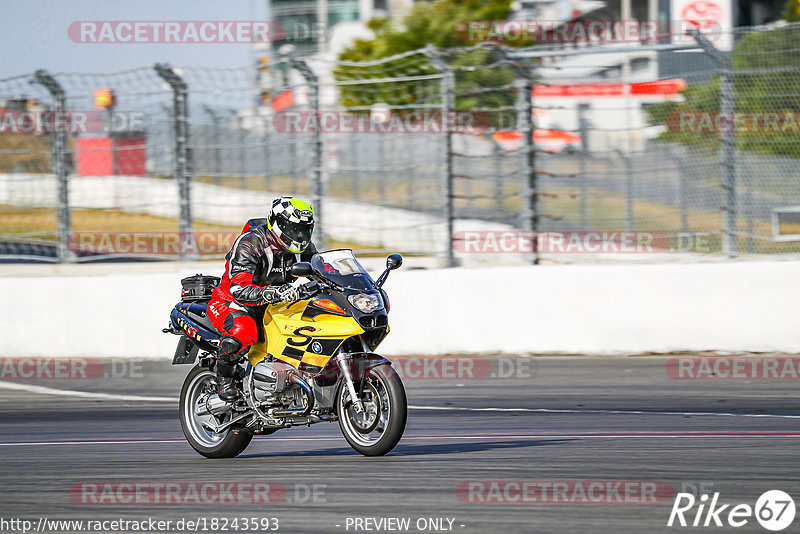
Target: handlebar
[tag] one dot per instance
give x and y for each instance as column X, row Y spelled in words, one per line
column 306, row 291
column 309, row 290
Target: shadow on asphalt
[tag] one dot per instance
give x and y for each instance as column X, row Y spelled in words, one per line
column 456, row 447
column 416, row 450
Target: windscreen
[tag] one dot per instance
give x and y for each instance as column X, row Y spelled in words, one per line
column 342, row 268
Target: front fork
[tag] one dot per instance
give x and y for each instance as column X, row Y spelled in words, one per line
column 344, row 367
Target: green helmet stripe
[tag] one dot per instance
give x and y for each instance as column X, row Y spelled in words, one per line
column 301, row 205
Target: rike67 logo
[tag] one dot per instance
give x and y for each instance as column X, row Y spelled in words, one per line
column 774, row 510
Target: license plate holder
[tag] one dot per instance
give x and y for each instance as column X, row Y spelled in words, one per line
column 185, row 352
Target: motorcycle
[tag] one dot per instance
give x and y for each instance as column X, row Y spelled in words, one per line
column 317, row 365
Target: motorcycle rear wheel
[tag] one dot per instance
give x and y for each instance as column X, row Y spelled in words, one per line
column 226, row 444
column 379, row 429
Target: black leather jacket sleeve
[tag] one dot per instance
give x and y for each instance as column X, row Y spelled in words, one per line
column 252, row 254
column 245, row 261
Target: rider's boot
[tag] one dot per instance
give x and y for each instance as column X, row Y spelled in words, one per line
column 229, row 354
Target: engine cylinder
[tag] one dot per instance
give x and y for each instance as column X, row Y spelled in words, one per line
column 271, row 377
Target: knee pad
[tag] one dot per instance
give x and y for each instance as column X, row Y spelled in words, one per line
column 230, row 345
column 244, row 328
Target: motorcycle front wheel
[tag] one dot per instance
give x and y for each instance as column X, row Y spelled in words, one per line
column 226, row 444
column 376, row 430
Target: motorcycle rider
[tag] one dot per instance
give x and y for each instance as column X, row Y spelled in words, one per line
column 257, row 272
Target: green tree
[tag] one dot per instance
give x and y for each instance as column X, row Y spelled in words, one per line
column 766, row 79
column 791, row 11
column 441, row 24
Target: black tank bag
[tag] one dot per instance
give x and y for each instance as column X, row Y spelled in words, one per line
column 198, row 287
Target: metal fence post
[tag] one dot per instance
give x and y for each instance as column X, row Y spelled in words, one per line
column 410, row 181
column 530, row 212
column 182, row 167
column 683, row 176
column 749, row 208
column 240, row 135
column 217, row 150
column 316, row 156
column 584, row 186
column 59, row 164
column 356, row 184
column 293, row 162
column 468, row 190
column 728, row 159
column 382, row 165
column 267, row 155
column 628, row 189
column 524, row 108
column 497, row 157
column 447, row 86
column 447, row 105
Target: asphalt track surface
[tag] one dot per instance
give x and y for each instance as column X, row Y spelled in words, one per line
column 558, row 419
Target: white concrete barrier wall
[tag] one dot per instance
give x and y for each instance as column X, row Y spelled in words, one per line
column 592, row 309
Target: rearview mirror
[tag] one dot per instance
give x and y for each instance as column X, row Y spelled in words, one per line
column 394, row 261
column 301, row 268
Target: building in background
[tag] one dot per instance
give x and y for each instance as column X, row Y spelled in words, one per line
column 757, row 12
column 610, row 89
column 301, row 19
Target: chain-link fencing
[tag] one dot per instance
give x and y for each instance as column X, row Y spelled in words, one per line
column 29, row 218
column 436, row 152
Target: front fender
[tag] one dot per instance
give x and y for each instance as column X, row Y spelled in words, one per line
column 360, row 363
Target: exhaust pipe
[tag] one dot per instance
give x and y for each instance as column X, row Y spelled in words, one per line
column 213, row 405
column 292, row 377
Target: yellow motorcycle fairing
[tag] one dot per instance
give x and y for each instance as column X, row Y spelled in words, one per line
column 305, row 343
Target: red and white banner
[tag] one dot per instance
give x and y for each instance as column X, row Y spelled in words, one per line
column 662, row 88
column 712, row 17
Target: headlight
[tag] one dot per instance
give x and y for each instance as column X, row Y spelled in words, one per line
column 365, row 303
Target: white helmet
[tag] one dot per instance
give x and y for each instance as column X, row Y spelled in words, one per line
column 291, row 221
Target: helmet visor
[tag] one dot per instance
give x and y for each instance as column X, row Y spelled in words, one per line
column 295, row 233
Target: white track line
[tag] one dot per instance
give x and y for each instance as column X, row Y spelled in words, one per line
column 619, row 412
column 136, row 398
column 476, row 437
column 84, row 394
column 114, row 442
